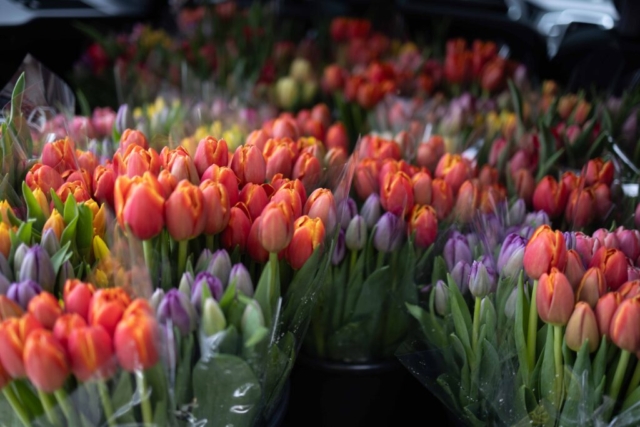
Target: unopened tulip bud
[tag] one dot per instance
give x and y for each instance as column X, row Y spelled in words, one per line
column 546, row 250
column 186, row 283
column 156, row 299
column 203, row 261
column 605, row 309
column 517, row 213
column 346, row 211
column 371, row 210
column 220, row 266
column 441, row 298
column 624, row 330
column 242, row 279
column 582, row 327
column 457, row 249
column 252, row 319
column 22, row 292
column 388, row 233
column 460, row 274
column 510, row 305
column 554, row 298
column 356, row 234
column 591, row 287
column 45, row 308
column 340, row 249
column 176, row 308
column 213, row 320
column 37, row 266
column 574, row 270
column 18, row 257
column 45, row 361
column 124, row 119
column 205, row 279
column 613, row 264
column 4, row 284
column 50, row 242
column 479, row 281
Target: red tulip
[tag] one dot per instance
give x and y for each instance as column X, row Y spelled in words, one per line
column 613, row 264
column 336, row 137
column 430, row 152
column 45, row 308
column 211, row 151
column 249, row 165
column 276, row 228
column 237, row 230
column 185, row 212
column 605, row 309
column 139, row 205
column 550, row 196
column 423, row 222
column 77, row 297
column 87, row 160
column 255, row 198
column 90, row 352
column 441, row 198
column 308, row 170
column 135, row 161
column 624, row 331
column 467, row 201
column 226, row 177
column 59, row 155
column 307, row 236
column 45, row 361
column 580, row 210
column 546, row 250
column 217, row 206
column 591, row 287
column 133, row 137
column 396, row 193
column 365, row 179
column 107, row 307
column 597, row 171
column 421, row 182
column 43, row 177
column 554, row 298
column 77, row 189
column 180, row 164
column 13, row 335
column 135, row 340
column 8, row 308
column 278, row 157
column 574, row 270
column 321, row 204
column 66, row 324
column 104, row 179
column 285, row 128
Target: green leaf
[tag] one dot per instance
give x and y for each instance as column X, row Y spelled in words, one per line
column 460, row 314
column 575, row 394
column 183, row 391
column 33, row 208
column 544, row 169
column 598, row 369
column 300, row 285
column 70, row 209
column 223, row 384
column 121, row 399
column 57, row 203
column 69, row 233
column 60, row 257
column 268, row 290
column 84, row 230
column 548, row 371
column 431, row 328
column 519, row 333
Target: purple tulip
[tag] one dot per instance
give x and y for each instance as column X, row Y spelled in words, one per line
column 37, row 266
column 214, row 284
column 18, row 257
column 517, row 213
column 536, row 219
column 22, row 292
column 66, row 272
column 479, row 281
column 356, row 235
column 176, row 308
column 457, row 249
column 4, row 284
column 124, row 119
column 389, row 233
column 527, row 231
column 511, row 255
column 346, row 210
column 203, row 261
column 371, row 210
column 50, row 242
column 441, row 298
column 339, row 250
column 220, row 267
column 240, row 275
column 460, row 275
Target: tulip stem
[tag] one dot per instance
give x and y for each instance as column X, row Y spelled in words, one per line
column 183, row 245
column 16, row 405
column 635, row 380
column 49, row 408
column 476, row 326
column 147, row 414
column 147, row 247
column 106, row 403
column 209, row 242
column 557, row 353
column 532, row 328
column 618, row 377
column 63, row 401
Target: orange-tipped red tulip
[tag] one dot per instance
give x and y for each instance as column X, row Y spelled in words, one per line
column 276, row 229
column 46, row 309
column 184, row 212
column 396, row 193
column 550, row 196
column 249, row 165
column 66, row 324
column 13, row 335
column 77, row 297
column 624, row 331
column 107, row 308
column 307, row 236
column 45, row 361
column 59, row 155
column 424, row 223
column 237, row 230
column 135, row 341
column 139, row 205
column 613, row 264
column 90, row 352
column 211, row 151
column 546, row 250
column 554, row 298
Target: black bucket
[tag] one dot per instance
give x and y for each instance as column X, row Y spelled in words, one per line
column 335, row 394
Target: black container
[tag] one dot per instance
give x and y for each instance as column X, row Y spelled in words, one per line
column 375, row 394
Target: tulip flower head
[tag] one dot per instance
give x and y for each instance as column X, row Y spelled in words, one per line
column 546, row 250
column 45, row 361
column 582, row 327
column 554, row 298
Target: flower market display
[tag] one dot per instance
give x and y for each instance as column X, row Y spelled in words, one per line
column 246, row 197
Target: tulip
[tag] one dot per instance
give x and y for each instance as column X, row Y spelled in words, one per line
column 536, row 219
column 8, row 308
column 107, row 307
column 614, row 265
column 217, row 207
column 365, row 178
column 340, row 249
column 276, row 230
column 54, row 223
column 5, row 240
column 580, row 210
column 156, row 298
column 554, row 298
column 629, row 241
column 582, row 327
column 510, row 305
column 430, row 152
column 457, row 249
column 43, row 177
column 255, row 198
column 249, row 165
column 258, row 138
column 308, row 170
column 37, row 266
column 441, row 298
column 90, row 351
column 184, row 212
column 242, row 279
column 139, row 205
column 59, row 155
column 254, row 248
column 208, row 279
column 176, row 308
column 356, row 234
column 510, row 259
column 546, row 250
column 423, row 224
column 591, row 287
column 396, row 193
column 77, row 297
column 623, row 329
column 336, row 137
column 574, row 269
column 226, row 177
column 180, row 165
column 460, row 275
column 211, row 151
column 468, row 201
column 237, row 230
column 633, row 273
column 278, row 157
column 139, row 306
column 346, row 211
column 65, row 325
column 132, row 137
column 135, row 341
column 441, row 198
column 45, row 361
column 605, row 309
column 630, row 289
column 135, row 161
column 307, row 236
column 22, row 292
column 41, row 198
column 220, row 266
column 321, row 204
column 13, row 335
column 45, row 308
column 18, row 256
column 213, row 320
column 597, row 171
column 388, row 233
column 453, row 170
column 480, row 282
column 370, row 211
column 421, row 182
column 550, row 196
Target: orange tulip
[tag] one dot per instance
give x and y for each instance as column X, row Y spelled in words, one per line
column 554, row 298
column 135, row 341
column 237, row 230
column 276, row 229
column 441, row 198
column 8, row 308
column 59, row 155
column 77, row 297
column 624, row 331
column 107, row 307
column 613, row 264
column 90, row 352
column 139, row 306
column 5, row 239
column 139, row 205
column 80, row 175
column 307, row 236
column 184, row 212
column 45, row 361
column 255, row 198
column 66, row 324
column 77, row 189
column 217, row 206
column 423, row 223
column 550, row 196
column 396, row 193
column 43, row 177
column 133, row 137
column 56, row 223
column 249, row 165
column 546, row 250
column 13, row 335
column 135, row 161
column 211, row 151
column 45, row 308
